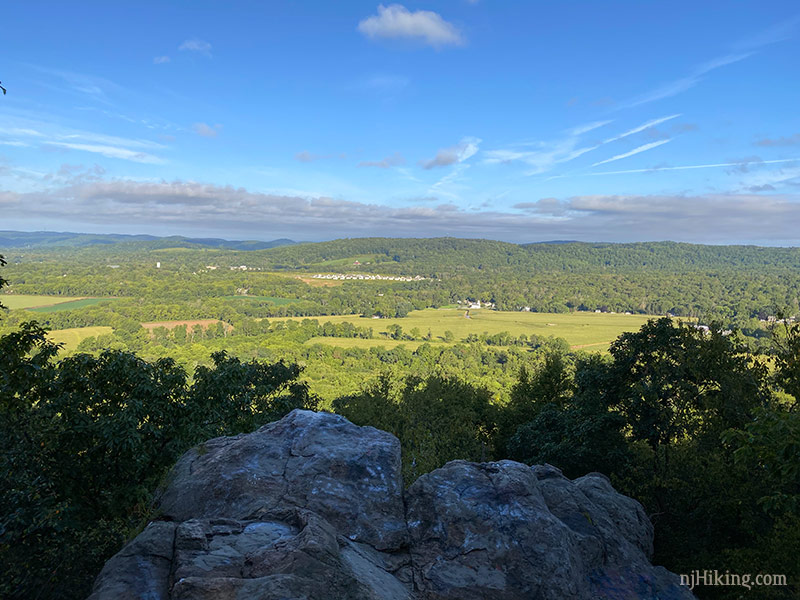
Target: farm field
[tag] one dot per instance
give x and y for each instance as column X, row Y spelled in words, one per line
column 74, row 336
column 17, row 301
column 582, row 330
column 79, row 303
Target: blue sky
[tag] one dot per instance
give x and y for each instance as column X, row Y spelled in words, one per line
column 521, row 121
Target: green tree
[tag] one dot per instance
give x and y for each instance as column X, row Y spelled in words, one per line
column 437, row 419
column 3, row 282
column 84, row 441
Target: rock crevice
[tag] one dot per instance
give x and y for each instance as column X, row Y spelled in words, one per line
column 313, row 507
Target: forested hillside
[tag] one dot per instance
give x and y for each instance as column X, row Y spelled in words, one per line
column 733, row 283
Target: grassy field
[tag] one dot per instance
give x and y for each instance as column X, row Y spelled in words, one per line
column 582, row 330
column 80, row 303
column 16, row 301
column 72, row 337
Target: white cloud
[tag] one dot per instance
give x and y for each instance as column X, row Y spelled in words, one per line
column 397, row 22
column 581, row 129
column 681, row 168
column 640, row 128
column 465, row 149
column 160, row 60
column 190, row 206
column 111, row 152
column 545, row 155
column 206, row 130
column 673, row 88
column 196, row 45
column 394, row 160
column 642, row 148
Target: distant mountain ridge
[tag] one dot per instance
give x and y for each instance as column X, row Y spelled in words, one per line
column 49, row 239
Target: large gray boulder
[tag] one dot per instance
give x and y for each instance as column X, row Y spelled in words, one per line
column 312, row 507
column 507, row 531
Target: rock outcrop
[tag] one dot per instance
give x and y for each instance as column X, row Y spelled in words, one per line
column 312, row 507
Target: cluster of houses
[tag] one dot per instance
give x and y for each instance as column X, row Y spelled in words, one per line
column 470, row 304
column 777, row 320
column 367, row 277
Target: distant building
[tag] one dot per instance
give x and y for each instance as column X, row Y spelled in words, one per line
column 158, row 265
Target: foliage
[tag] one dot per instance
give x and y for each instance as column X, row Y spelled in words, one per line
column 85, row 441
column 567, row 420
column 674, row 383
column 437, row 419
column 2, row 281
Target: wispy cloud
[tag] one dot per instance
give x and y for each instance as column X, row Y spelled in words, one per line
column 581, row 129
column 89, row 87
column 545, row 155
column 397, row 22
column 792, row 140
column 196, row 45
column 465, row 149
column 160, row 60
column 47, row 136
column 205, row 130
column 448, row 185
column 394, row 160
column 110, row 152
column 307, row 157
column 640, row 149
column 677, row 86
column 641, row 128
column 656, row 169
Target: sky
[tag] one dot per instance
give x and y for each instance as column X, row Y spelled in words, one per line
column 615, row 121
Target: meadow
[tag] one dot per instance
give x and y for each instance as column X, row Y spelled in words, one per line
column 582, row 330
column 17, row 301
column 74, row 336
column 70, row 305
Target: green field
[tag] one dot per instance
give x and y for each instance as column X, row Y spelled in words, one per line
column 72, row 337
column 69, row 305
column 592, row 331
column 16, row 301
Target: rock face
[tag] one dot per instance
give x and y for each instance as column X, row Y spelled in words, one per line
column 312, row 507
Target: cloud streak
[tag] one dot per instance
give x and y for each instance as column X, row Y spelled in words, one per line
column 111, row 152
column 681, row 168
column 640, row 128
column 638, row 150
column 677, row 86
